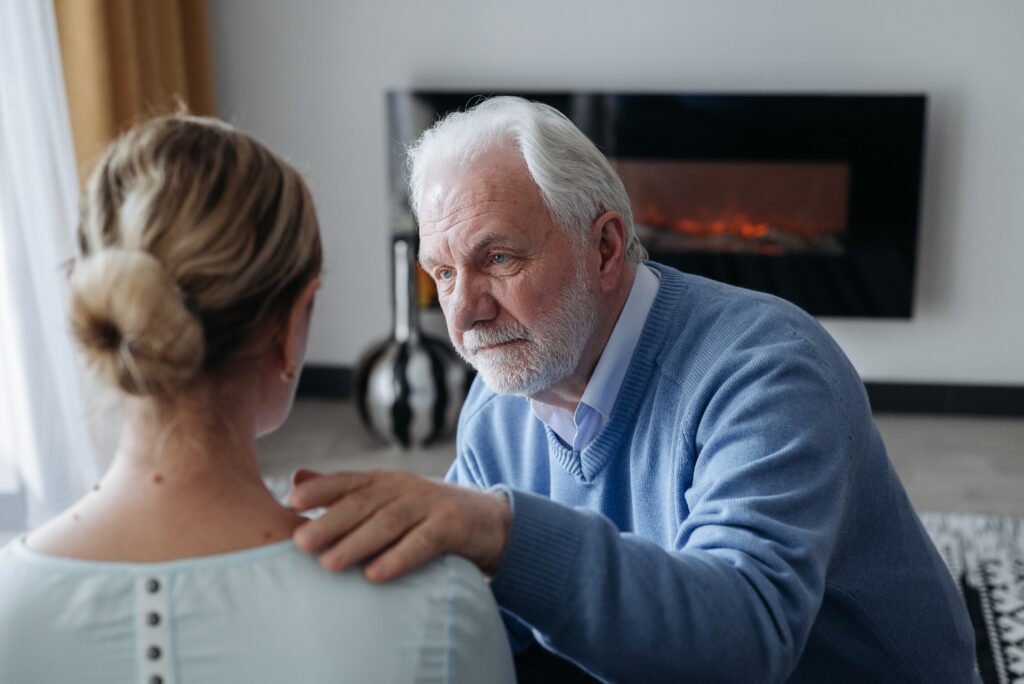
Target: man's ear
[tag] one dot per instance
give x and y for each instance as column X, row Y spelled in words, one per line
column 296, row 329
column 610, row 231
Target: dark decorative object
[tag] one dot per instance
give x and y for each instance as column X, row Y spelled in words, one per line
column 410, row 387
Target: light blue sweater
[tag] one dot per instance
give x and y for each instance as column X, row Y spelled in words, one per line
column 737, row 520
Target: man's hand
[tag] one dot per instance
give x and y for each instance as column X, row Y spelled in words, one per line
column 399, row 519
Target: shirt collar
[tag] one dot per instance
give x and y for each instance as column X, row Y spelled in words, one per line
column 595, row 407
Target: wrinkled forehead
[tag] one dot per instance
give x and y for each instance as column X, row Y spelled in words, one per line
column 458, row 162
column 495, row 205
column 497, row 181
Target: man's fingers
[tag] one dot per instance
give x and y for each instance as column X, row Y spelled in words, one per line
column 339, row 519
column 381, row 530
column 418, row 546
column 320, row 491
column 398, row 520
column 303, row 474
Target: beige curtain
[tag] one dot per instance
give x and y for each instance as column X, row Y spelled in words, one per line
column 128, row 60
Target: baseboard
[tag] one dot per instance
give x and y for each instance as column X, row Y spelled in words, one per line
column 326, row 382
column 971, row 400
column 335, row 382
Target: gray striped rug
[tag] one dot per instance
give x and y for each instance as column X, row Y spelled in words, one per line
column 985, row 554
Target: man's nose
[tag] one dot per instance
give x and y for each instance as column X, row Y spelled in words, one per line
column 472, row 301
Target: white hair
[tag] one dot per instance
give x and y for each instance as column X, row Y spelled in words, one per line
column 576, row 181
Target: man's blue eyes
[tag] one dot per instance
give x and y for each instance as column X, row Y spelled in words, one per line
column 496, row 259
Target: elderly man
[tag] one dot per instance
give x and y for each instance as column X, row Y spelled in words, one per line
column 667, row 478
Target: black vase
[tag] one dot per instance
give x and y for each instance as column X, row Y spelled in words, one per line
column 410, row 387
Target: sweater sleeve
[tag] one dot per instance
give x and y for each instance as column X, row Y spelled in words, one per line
column 734, row 598
column 465, row 472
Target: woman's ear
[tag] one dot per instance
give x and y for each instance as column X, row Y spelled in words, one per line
column 296, row 330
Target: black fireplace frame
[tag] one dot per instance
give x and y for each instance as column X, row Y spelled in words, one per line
column 879, row 136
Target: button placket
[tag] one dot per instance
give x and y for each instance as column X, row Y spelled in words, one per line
column 152, row 629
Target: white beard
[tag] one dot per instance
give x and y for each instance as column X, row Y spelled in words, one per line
column 538, row 357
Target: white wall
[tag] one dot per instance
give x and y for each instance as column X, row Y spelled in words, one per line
column 309, row 77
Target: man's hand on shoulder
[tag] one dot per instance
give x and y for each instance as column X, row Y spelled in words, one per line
column 397, row 521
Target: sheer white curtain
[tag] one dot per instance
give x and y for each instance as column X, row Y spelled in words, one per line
column 8, row 471
column 43, row 415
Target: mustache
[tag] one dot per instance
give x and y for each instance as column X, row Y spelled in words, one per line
column 475, row 339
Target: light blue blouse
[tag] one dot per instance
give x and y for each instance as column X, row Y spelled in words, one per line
column 268, row 614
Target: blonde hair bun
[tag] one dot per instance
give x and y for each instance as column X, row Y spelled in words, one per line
column 194, row 241
column 132, row 322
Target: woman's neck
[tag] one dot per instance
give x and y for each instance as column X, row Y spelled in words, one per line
column 194, row 443
column 185, row 482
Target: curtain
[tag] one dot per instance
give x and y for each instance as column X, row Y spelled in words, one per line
column 73, row 75
column 128, row 60
column 9, row 483
column 45, row 417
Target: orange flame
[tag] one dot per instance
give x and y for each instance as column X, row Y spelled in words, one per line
column 738, row 224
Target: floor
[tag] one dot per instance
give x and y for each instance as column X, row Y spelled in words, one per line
column 958, row 464
column 947, row 463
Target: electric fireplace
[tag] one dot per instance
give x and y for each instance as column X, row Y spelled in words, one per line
column 814, row 198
